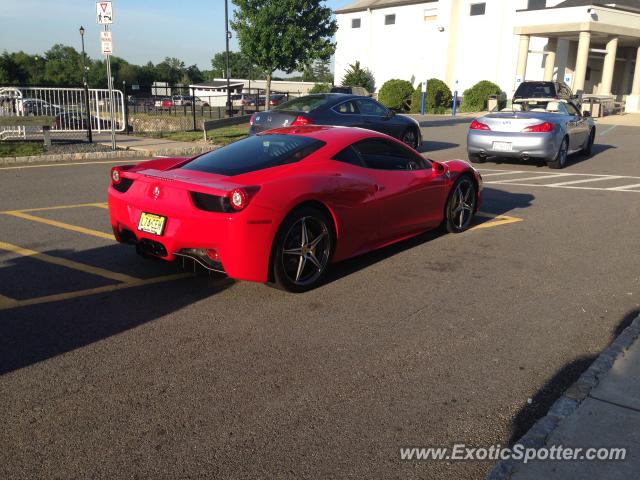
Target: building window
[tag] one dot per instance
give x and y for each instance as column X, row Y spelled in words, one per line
column 477, row 9
column 390, row 19
column 355, row 23
column 536, row 4
column 431, row 14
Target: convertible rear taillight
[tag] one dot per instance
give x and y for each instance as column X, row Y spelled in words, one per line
column 540, row 128
column 300, row 120
column 476, row 125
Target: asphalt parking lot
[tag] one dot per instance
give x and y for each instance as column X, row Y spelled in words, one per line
column 115, row 366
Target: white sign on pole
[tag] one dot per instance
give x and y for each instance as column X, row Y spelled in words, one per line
column 104, row 13
column 105, row 36
column 107, row 48
column 568, row 78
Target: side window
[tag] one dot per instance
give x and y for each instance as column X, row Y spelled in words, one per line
column 346, row 108
column 349, row 155
column 371, row 107
column 383, row 154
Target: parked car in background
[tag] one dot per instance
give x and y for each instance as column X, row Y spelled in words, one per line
column 182, row 100
column 338, row 109
column 277, row 99
column 547, row 129
column 351, row 90
column 166, row 102
column 549, row 90
column 36, row 106
column 76, row 120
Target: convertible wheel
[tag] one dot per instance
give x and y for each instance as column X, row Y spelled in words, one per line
column 302, row 250
column 476, row 158
column 561, row 157
column 461, row 205
column 588, row 147
column 410, row 137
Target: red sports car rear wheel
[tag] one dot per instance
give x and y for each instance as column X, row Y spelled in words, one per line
column 302, row 250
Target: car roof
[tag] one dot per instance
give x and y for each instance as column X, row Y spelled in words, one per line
column 327, row 133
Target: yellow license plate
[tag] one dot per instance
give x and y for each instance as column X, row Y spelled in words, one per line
column 152, row 223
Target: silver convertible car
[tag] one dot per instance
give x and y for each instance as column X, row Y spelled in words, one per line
column 543, row 129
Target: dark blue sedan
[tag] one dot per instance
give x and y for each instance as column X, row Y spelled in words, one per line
column 338, row 109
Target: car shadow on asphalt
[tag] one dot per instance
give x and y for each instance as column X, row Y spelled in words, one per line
column 34, row 333
column 573, row 159
column 554, row 387
column 433, row 146
column 495, row 202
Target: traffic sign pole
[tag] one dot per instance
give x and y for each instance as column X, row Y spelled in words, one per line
column 111, row 102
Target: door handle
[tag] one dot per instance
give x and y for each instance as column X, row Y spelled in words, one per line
column 380, row 188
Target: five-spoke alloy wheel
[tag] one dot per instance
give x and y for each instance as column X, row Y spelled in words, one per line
column 302, row 250
column 461, row 205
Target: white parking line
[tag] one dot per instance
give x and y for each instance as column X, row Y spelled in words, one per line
column 626, row 188
column 539, row 177
column 585, row 180
column 506, row 172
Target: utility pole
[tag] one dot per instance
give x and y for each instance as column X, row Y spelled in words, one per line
column 227, row 35
column 85, row 86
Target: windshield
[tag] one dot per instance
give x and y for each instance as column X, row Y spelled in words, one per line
column 535, row 90
column 303, row 104
column 254, row 153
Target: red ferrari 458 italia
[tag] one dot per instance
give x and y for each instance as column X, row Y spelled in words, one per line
column 281, row 206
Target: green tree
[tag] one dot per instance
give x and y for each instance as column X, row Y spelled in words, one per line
column 322, row 71
column 355, row 76
column 63, row 66
column 239, row 66
column 170, row 70
column 437, row 100
column 475, row 99
column 284, row 34
column 321, row 88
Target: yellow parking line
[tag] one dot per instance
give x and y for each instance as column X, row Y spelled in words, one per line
column 496, row 221
column 6, row 302
column 57, row 207
column 101, row 272
column 11, row 303
column 55, row 223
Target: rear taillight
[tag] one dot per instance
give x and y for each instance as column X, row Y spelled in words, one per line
column 476, row 125
column 300, row 120
column 238, row 199
column 252, row 119
column 545, row 127
column 116, row 175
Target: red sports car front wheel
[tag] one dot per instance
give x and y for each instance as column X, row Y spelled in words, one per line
column 461, row 205
column 302, row 250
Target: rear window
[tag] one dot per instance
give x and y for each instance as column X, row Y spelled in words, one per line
column 535, row 90
column 255, row 153
column 303, row 104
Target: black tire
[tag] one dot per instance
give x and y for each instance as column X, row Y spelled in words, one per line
column 588, row 148
column 560, row 160
column 301, row 268
column 476, row 158
column 461, row 205
column 411, row 137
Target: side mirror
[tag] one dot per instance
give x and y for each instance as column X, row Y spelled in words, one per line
column 586, row 113
column 437, row 168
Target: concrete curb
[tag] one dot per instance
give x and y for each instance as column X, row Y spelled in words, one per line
column 72, row 157
column 570, row 400
column 182, row 151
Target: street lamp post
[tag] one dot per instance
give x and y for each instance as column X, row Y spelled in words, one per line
column 86, row 88
column 227, row 35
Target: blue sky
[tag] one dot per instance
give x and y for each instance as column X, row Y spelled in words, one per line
column 143, row 30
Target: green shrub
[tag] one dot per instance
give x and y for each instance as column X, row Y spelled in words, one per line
column 475, row 98
column 437, row 100
column 396, row 94
column 321, row 88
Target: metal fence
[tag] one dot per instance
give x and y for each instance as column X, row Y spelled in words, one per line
column 74, row 110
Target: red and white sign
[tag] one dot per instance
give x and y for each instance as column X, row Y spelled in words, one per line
column 107, row 48
column 104, row 13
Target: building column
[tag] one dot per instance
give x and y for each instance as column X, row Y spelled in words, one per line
column 581, row 62
column 550, row 59
column 609, row 67
column 523, row 54
column 633, row 100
